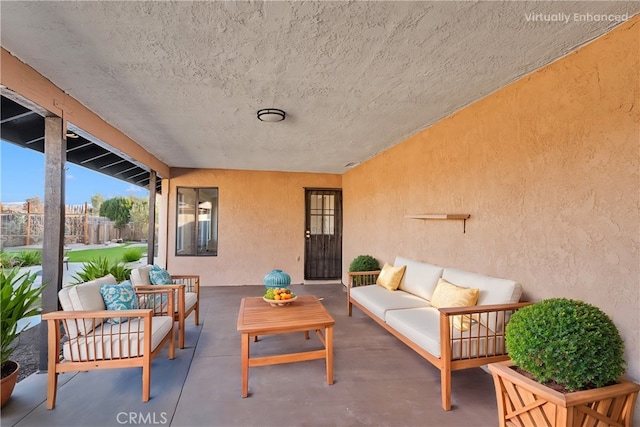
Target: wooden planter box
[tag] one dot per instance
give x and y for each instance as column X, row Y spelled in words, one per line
column 523, row 402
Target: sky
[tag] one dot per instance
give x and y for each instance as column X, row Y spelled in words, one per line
column 22, row 177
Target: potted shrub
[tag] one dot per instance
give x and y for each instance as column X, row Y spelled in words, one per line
column 18, row 299
column 363, row 263
column 566, row 362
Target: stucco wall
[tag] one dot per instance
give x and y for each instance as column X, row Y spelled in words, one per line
column 548, row 169
column 261, row 224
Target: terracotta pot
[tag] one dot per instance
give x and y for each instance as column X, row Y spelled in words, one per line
column 8, row 383
column 527, row 403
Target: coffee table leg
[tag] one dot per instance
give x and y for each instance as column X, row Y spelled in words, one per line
column 245, row 364
column 328, row 336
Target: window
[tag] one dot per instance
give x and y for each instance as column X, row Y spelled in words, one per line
column 197, row 222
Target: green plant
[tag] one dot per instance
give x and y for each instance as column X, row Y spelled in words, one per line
column 18, row 299
column 100, row 267
column 364, row 263
column 566, row 341
column 8, row 259
column 29, row 257
column 132, row 254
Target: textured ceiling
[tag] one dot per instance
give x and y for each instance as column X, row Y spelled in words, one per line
column 185, row 79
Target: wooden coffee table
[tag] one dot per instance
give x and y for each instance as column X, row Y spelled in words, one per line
column 306, row 313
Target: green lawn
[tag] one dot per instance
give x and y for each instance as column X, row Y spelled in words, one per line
column 113, row 254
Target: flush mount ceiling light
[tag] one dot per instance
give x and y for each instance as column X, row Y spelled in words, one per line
column 271, row 115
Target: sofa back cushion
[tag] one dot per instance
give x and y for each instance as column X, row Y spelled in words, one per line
column 493, row 290
column 419, row 278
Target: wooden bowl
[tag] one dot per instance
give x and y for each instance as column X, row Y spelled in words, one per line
column 280, row 303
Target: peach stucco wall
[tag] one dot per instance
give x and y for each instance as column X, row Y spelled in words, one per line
column 548, row 169
column 261, row 223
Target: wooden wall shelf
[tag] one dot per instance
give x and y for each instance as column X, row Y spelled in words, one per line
column 463, row 217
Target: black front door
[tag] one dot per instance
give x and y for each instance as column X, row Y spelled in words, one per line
column 323, row 234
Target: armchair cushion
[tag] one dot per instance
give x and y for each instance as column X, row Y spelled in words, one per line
column 85, row 296
column 111, row 341
column 119, row 297
column 140, row 276
column 159, row 276
column 190, row 299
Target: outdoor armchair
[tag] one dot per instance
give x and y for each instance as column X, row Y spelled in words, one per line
column 187, row 289
column 86, row 336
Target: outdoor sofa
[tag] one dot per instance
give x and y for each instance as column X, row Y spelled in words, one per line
column 452, row 337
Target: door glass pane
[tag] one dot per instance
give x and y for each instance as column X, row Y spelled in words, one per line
column 322, row 214
column 329, row 214
column 315, row 214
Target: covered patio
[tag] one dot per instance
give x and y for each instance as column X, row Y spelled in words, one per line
column 378, row 380
column 526, row 125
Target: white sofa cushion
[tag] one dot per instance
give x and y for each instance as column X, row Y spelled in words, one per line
column 493, row 290
column 422, row 326
column 105, row 342
column 419, row 278
column 378, row 300
column 140, row 276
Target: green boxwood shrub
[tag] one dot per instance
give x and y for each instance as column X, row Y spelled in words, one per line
column 566, row 341
column 364, row 263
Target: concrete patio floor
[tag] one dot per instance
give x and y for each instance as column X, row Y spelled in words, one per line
column 378, row 380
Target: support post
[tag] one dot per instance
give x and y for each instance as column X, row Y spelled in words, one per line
column 151, row 242
column 55, row 154
column 28, row 223
column 86, row 223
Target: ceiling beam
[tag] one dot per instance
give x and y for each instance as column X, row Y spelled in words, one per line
column 17, row 116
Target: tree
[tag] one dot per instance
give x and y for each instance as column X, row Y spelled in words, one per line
column 36, row 205
column 96, row 202
column 139, row 214
column 117, row 209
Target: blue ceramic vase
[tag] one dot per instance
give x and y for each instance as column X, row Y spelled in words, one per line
column 277, row 279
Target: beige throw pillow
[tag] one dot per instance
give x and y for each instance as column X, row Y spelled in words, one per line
column 390, row 276
column 448, row 295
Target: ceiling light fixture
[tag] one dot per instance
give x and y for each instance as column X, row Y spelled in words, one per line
column 271, row 115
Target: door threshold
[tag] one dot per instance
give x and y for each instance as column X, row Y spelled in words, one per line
column 323, row 282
